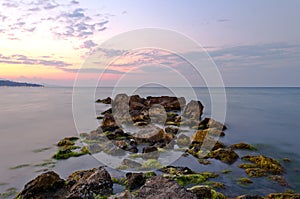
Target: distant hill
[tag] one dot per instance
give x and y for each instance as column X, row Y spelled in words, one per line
column 18, row 84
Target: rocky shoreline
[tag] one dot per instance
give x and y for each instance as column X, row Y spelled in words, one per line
column 157, row 126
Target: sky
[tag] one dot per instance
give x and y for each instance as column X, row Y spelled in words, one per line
column 251, row 43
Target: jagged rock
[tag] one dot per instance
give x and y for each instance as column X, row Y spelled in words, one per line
column 149, row 134
column 86, row 184
column 225, row 155
column 159, row 187
column 193, row 110
column 107, row 100
column 211, row 123
column 108, row 123
column 169, row 103
column 46, row 185
column 135, row 180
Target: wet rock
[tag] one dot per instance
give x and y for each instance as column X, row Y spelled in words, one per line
column 87, row 184
column 203, row 191
column 109, row 111
column 169, row 103
column 256, row 172
column 244, row 181
column 149, row 134
column 107, row 100
column 108, row 123
column 225, row 155
column 172, row 130
column 195, row 178
column 67, row 141
column 193, row 110
column 150, row 152
column 211, row 123
column 124, row 195
column 280, row 179
column 66, row 152
column 46, row 185
column 177, row 170
column 282, row 195
column 243, row 146
column 200, row 135
column 158, row 114
column 159, row 187
column 135, row 180
column 131, row 164
column 269, row 164
column 183, row 141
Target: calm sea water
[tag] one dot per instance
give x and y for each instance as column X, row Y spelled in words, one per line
column 32, row 119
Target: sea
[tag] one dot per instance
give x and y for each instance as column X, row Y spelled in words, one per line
column 33, row 120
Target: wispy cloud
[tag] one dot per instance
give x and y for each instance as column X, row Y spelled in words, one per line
column 24, row 60
column 68, row 21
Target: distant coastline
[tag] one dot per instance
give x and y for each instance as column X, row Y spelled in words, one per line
column 18, row 84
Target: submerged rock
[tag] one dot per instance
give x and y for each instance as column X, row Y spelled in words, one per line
column 243, row 146
column 159, row 187
column 249, row 197
column 268, row 164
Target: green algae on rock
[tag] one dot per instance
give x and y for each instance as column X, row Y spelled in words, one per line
column 244, row 181
column 271, row 165
column 188, row 179
column 243, row 146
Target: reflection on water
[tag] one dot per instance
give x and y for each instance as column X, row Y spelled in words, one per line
column 33, row 119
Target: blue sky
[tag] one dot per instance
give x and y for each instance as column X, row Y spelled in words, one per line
column 253, row 43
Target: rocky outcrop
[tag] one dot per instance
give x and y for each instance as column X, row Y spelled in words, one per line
column 47, row 185
column 80, row 185
column 193, row 110
column 107, row 100
column 159, row 187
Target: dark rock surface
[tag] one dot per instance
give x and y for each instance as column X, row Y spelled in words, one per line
column 159, row 187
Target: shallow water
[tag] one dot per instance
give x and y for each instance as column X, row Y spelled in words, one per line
column 35, row 118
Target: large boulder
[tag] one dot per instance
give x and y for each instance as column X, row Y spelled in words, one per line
column 159, row 187
column 86, row 184
column 169, row 103
column 193, row 110
column 46, row 185
column 149, row 134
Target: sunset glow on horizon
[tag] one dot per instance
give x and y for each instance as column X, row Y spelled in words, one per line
column 49, row 41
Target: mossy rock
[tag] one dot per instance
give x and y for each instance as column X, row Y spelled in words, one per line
column 188, row 179
column 67, row 141
column 243, row 146
column 177, row 170
column 247, row 166
column 256, row 172
column 244, row 181
column 227, row 156
column 269, row 164
column 151, row 164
